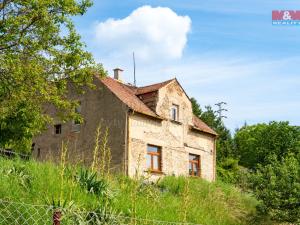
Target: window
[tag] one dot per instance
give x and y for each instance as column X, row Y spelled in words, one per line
column 174, row 112
column 153, row 158
column 57, row 129
column 78, row 111
column 38, row 153
column 78, row 108
column 194, row 165
column 76, row 123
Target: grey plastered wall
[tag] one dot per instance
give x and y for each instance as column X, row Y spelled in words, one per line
column 98, row 106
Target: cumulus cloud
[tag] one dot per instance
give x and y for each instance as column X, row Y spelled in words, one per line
column 152, row 33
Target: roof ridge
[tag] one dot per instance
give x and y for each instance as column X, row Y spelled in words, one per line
column 153, row 87
column 166, row 81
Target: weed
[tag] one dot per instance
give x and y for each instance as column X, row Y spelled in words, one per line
column 21, row 174
column 91, row 184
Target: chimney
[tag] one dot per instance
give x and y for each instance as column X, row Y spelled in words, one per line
column 117, row 73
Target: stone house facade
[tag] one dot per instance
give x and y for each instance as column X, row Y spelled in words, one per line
column 151, row 130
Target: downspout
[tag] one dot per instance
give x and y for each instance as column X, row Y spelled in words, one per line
column 128, row 126
column 125, row 165
column 215, row 159
column 129, row 112
column 127, row 144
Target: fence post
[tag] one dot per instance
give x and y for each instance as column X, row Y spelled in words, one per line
column 56, row 217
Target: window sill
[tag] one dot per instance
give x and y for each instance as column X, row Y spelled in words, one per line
column 193, row 176
column 154, row 172
column 175, row 121
column 75, row 131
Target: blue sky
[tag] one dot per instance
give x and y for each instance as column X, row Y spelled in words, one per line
column 219, row 51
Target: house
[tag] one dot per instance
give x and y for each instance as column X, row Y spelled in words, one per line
column 152, row 129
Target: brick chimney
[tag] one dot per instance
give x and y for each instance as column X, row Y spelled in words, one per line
column 117, row 73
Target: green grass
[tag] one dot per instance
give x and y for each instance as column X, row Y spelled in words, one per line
column 171, row 199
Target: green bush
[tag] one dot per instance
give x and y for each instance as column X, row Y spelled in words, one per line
column 228, row 170
column 254, row 144
column 172, row 185
column 277, row 186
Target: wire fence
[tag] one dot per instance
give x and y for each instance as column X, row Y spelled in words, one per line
column 14, row 213
column 9, row 153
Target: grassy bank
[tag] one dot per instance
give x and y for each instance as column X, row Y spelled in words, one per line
column 170, row 199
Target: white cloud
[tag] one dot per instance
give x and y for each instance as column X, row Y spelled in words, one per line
column 152, row 33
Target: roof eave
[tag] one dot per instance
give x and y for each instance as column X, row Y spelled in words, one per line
column 157, row 117
column 203, row 131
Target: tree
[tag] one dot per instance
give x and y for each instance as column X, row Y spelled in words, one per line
column 196, row 107
column 40, row 52
column 210, row 117
column 254, row 144
column 277, row 186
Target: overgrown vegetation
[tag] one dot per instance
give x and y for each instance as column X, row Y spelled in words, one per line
column 170, row 199
column 262, row 159
column 40, row 53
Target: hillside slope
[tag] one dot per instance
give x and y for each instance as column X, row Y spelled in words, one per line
column 170, row 199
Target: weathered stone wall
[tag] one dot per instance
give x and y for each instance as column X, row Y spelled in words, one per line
column 98, row 106
column 175, row 138
column 102, row 106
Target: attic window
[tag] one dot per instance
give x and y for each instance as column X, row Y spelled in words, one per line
column 174, row 112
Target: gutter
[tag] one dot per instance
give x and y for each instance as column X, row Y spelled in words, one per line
column 203, row 131
column 215, row 160
column 147, row 115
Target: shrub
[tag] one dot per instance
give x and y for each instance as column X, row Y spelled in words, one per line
column 172, row 185
column 228, row 170
column 277, row 186
column 90, row 182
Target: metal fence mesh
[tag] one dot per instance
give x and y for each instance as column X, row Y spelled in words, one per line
column 13, row 213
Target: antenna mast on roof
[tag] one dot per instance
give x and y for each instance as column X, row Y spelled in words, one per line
column 134, row 80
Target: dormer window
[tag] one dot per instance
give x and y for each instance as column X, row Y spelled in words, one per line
column 174, row 112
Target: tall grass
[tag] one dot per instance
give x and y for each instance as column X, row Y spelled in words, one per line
column 101, row 153
column 171, row 199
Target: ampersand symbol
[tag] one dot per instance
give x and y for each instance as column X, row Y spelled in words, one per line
column 286, row 15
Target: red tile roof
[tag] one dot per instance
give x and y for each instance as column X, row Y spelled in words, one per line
column 200, row 125
column 152, row 87
column 129, row 96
